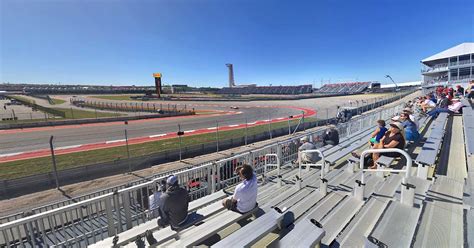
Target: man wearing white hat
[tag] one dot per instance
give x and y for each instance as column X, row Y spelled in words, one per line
column 306, row 158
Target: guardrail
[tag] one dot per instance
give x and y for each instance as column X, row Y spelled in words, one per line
column 408, row 190
column 324, row 169
column 105, row 215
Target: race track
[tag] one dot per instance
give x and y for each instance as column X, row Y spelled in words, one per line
column 16, row 144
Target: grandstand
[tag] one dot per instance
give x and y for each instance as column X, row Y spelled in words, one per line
column 452, row 66
column 268, row 90
column 422, row 200
column 344, row 88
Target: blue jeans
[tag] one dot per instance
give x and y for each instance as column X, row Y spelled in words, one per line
column 436, row 111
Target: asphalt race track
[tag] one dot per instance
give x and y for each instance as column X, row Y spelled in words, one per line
column 13, row 143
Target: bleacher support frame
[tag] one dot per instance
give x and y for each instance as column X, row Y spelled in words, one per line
column 408, row 190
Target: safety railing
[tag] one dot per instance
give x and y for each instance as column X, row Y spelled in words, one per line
column 408, row 190
column 324, row 169
column 105, row 215
column 275, row 165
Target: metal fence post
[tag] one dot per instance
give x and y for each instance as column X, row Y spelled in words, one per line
column 246, row 131
column 128, row 150
column 217, row 135
column 179, row 137
column 127, row 210
column 53, row 157
column 289, row 127
column 110, row 217
column 270, row 126
column 302, row 120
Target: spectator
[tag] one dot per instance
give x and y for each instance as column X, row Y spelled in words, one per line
column 378, row 133
column 443, row 101
column 393, row 138
column 453, row 108
column 427, row 104
column 306, row 158
column 470, row 90
column 245, row 194
column 459, row 90
column 412, row 117
column 174, row 204
column 410, row 128
column 154, row 200
column 331, row 137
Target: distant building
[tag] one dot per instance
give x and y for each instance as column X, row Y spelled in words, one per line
column 449, row 67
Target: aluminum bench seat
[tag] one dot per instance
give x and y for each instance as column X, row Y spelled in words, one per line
column 308, row 233
column 385, row 161
column 198, row 234
column 131, row 234
column 252, row 232
column 360, row 227
column 442, row 220
column 397, row 225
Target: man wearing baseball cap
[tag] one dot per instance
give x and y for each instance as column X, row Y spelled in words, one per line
column 174, row 204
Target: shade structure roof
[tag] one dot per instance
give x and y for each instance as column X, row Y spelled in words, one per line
column 461, row 49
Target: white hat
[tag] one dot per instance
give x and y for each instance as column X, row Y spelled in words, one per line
column 396, row 118
column 397, row 125
column 304, row 139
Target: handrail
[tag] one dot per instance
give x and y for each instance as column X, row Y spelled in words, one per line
column 385, row 150
column 324, row 168
column 277, row 164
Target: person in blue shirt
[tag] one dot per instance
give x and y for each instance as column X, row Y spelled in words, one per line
column 378, row 133
column 411, row 131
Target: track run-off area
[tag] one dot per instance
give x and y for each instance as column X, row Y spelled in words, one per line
column 28, row 143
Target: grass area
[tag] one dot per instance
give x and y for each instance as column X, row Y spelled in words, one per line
column 57, row 101
column 17, row 169
column 83, row 114
column 20, row 98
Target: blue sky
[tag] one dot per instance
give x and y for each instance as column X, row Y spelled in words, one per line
column 190, row 41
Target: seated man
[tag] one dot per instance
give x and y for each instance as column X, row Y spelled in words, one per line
column 331, row 137
column 173, row 206
column 306, row 158
column 453, row 108
column 393, row 138
column 245, row 194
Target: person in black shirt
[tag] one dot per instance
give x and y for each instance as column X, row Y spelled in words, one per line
column 331, row 137
column 393, row 138
column 460, row 90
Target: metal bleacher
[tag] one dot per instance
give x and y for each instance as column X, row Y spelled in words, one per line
column 336, row 203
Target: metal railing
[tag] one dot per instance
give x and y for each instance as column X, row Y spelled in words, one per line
column 91, row 220
column 324, row 169
column 408, row 192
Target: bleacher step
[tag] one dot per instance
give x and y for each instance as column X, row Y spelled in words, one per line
column 363, row 223
column 339, row 217
column 325, row 206
column 397, row 225
column 442, row 219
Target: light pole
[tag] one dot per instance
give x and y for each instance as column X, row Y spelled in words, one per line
column 396, row 86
